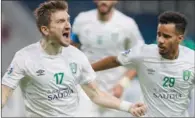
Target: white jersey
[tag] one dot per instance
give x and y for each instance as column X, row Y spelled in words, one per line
column 49, row 82
column 101, row 39
column 166, row 84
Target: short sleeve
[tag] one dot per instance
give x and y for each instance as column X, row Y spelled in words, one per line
column 87, row 73
column 14, row 73
column 133, row 34
column 131, row 57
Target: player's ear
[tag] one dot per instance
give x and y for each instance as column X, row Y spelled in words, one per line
column 180, row 38
column 45, row 30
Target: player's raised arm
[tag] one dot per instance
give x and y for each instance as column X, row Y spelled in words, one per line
column 106, row 63
column 126, row 58
column 105, row 100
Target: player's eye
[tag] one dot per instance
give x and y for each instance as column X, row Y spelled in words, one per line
column 166, row 36
column 61, row 21
column 158, row 34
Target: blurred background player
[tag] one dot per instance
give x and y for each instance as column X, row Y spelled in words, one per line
column 165, row 71
column 101, row 32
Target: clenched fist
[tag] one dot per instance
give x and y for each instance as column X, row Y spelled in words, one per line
column 138, row 109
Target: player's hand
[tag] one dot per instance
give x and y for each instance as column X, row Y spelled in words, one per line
column 117, row 90
column 138, row 109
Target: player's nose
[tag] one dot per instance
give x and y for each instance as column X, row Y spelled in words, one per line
column 67, row 26
column 161, row 40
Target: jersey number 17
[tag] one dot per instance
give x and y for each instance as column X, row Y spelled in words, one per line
column 59, row 77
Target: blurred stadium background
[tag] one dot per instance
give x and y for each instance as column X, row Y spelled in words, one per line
column 19, row 28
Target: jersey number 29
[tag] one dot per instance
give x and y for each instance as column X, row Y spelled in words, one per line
column 168, row 81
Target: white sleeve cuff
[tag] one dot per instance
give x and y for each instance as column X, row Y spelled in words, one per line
column 9, row 84
column 125, row 106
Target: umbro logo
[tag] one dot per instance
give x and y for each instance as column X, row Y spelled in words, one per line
column 40, row 72
column 151, row 71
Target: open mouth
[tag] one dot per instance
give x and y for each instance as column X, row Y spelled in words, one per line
column 66, row 34
column 161, row 47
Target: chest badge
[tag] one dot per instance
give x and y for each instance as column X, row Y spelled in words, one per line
column 186, row 75
column 73, row 67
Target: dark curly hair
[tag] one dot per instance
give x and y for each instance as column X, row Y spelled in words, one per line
column 176, row 18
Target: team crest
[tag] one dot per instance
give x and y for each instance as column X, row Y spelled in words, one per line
column 73, row 67
column 186, row 75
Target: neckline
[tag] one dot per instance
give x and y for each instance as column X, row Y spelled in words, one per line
column 106, row 22
column 45, row 54
column 178, row 57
